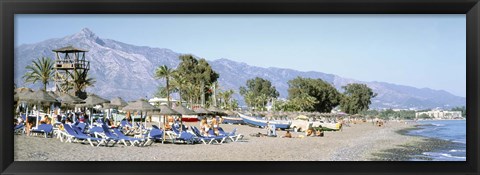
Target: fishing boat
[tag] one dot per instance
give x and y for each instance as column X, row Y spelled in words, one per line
column 233, row 120
column 281, row 124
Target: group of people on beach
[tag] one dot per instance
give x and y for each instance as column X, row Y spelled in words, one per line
column 214, row 125
column 309, row 133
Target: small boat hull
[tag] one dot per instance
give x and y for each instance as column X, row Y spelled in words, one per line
column 262, row 123
column 233, row 120
column 190, row 119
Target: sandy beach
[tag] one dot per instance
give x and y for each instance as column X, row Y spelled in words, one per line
column 359, row 142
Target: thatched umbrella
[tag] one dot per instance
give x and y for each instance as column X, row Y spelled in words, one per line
column 21, row 94
column 165, row 110
column 216, row 111
column 139, row 105
column 117, row 103
column 93, row 100
column 40, row 96
column 68, row 99
column 202, row 111
column 184, row 111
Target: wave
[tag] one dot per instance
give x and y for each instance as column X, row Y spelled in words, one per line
column 456, row 141
column 456, row 150
column 435, row 124
column 442, row 155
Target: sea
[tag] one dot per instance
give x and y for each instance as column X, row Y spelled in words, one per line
column 449, row 130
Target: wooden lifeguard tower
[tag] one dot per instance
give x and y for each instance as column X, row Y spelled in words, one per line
column 68, row 61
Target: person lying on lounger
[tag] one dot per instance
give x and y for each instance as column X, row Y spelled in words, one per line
column 287, row 135
column 46, row 120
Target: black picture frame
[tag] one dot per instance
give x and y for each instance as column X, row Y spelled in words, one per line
column 9, row 8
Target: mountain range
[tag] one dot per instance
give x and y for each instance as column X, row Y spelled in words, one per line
column 126, row 70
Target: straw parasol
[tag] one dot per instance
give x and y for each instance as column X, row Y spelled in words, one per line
column 165, row 110
column 40, row 96
column 118, row 101
column 115, row 103
column 139, row 105
column 93, row 100
column 184, row 111
column 21, row 94
column 217, row 111
column 202, row 111
column 68, row 99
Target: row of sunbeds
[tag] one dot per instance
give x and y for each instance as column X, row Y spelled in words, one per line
column 102, row 135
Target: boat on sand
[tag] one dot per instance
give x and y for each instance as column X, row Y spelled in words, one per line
column 259, row 122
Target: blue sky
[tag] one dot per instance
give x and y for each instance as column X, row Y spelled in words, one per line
column 415, row 50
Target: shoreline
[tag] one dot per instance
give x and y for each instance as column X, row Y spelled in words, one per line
column 360, row 142
column 411, row 151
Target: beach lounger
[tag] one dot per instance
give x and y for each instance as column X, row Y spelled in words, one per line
column 205, row 139
column 19, row 128
column 232, row 135
column 123, row 138
column 82, row 126
column 74, row 136
column 43, row 128
column 186, row 137
column 153, row 135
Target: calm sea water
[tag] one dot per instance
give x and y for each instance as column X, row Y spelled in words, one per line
column 450, row 130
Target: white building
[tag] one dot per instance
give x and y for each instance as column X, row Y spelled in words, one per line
column 439, row 114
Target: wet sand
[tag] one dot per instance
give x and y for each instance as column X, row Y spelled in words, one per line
column 359, row 142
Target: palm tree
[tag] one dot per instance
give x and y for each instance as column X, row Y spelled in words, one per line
column 165, row 72
column 40, row 70
column 81, row 81
column 180, row 83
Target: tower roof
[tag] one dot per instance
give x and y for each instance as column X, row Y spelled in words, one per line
column 69, row 49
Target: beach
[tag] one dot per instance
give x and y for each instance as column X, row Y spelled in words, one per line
column 357, row 142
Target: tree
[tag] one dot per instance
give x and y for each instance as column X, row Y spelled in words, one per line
column 166, row 73
column 199, row 73
column 161, row 92
column 258, row 91
column 41, row 70
column 325, row 95
column 180, row 84
column 356, row 98
column 81, row 81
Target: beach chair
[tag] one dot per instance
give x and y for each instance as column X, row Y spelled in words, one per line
column 19, row 128
column 205, row 139
column 43, row 128
column 82, row 126
column 96, row 131
column 232, row 135
column 186, row 137
column 155, row 126
column 74, row 136
column 123, row 138
column 124, row 124
column 153, row 135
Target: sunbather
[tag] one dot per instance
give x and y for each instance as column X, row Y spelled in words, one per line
column 319, row 133
column 215, row 126
column 287, row 135
column 310, row 132
column 29, row 126
column 46, row 120
column 204, row 127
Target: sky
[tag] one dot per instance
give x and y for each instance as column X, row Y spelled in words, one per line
column 423, row 51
